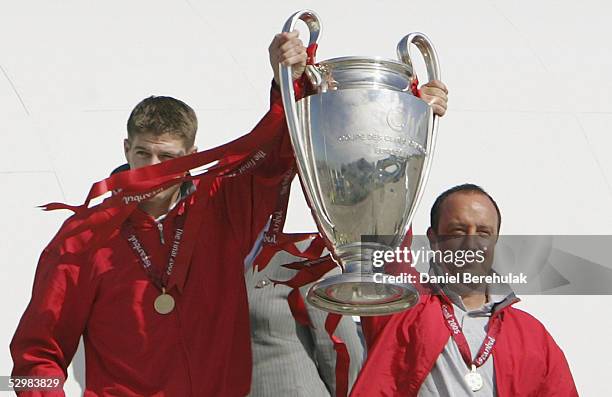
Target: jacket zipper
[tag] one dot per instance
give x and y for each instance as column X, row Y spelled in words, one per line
column 160, row 227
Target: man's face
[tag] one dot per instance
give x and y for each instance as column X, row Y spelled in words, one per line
column 146, row 149
column 468, row 222
column 149, row 149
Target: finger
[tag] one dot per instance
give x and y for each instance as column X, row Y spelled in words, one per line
column 295, row 60
column 292, row 52
column 432, row 89
column 439, row 110
column 279, row 40
column 287, row 36
column 291, row 44
column 438, row 106
column 281, row 37
column 437, row 84
column 431, row 100
column 292, row 34
column 434, row 92
column 434, row 100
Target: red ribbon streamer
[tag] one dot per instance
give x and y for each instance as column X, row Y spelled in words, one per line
column 311, row 53
column 343, row 358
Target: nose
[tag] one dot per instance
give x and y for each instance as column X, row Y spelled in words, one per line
column 471, row 242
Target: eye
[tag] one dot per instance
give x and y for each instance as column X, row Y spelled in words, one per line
column 142, row 153
column 165, row 157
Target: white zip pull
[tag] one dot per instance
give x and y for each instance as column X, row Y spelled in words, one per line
column 160, row 227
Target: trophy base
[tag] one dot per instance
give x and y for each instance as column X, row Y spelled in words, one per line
column 361, row 295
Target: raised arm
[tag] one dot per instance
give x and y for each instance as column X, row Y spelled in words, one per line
column 251, row 198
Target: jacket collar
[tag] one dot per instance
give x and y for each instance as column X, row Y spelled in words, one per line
column 499, row 296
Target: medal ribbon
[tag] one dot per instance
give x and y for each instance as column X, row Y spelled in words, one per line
column 459, row 337
column 277, row 222
column 158, row 278
column 343, row 358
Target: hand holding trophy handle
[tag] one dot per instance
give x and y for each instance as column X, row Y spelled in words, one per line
column 298, row 139
column 430, row 56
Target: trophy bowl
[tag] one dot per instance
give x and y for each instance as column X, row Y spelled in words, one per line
column 363, row 144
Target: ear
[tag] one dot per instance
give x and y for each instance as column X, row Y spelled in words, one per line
column 126, row 149
column 432, row 236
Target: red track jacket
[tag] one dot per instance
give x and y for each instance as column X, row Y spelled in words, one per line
column 202, row 348
column 403, row 349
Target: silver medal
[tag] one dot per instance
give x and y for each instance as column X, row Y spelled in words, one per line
column 474, row 379
column 262, row 283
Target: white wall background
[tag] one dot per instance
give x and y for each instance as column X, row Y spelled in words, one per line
column 529, row 117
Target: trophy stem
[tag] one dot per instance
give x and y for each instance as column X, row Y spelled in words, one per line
column 360, row 291
column 358, row 257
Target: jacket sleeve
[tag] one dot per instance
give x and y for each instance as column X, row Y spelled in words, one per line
column 48, row 334
column 324, row 352
column 558, row 381
column 251, row 198
column 372, row 326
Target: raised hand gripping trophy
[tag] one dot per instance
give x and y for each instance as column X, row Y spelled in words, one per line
column 363, row 144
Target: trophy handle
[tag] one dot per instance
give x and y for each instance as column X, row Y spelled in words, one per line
column 291, row 115
column 311, row 19
column 430, row 56
column 428, row 52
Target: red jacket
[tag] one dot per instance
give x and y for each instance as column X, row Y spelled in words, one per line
column 403, row 349
column 202, row 348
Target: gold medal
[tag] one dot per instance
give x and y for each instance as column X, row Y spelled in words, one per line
column 164, row 303
column 474, row 379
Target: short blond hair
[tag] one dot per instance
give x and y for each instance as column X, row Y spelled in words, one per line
column 164, row 115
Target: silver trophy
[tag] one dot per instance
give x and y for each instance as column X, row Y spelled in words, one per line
column 363, row 144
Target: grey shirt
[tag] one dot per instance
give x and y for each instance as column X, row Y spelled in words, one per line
column 447, row 376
